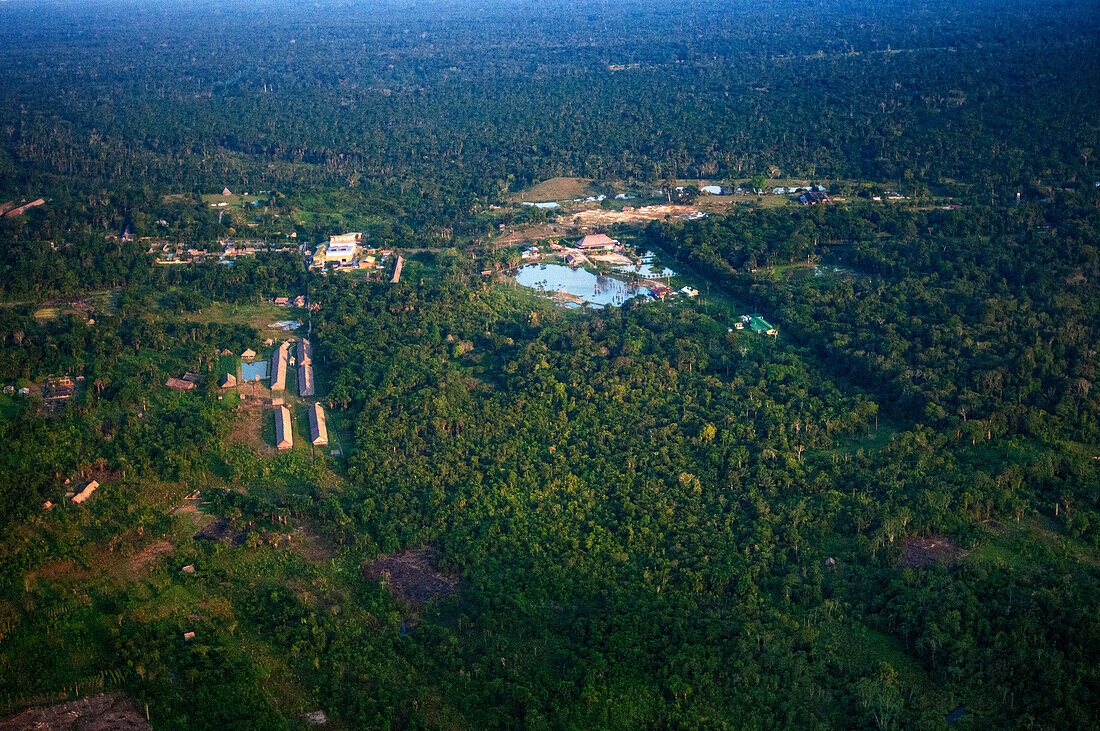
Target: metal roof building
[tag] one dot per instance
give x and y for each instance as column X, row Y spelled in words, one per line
column 86, row 492
column 318, row 429
column 278, row 368
column 283, row 437
column 305, row 380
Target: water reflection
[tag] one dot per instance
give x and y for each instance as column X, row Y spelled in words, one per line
column 579, row 283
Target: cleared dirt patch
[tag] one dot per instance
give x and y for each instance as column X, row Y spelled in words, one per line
column 555, row 189
column 64, row 569
column 918, row 551
column 530, row 234
column 248, row 425
column 639, row 216
column 412, row 576
column 312, row 547
column 149, row 554
column 219, row 529
column 107, row 712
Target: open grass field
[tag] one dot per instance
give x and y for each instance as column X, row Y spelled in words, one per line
column 261, row 316
column 530, row 234
column 554, row 189
column 102, row 302
column 733, row 203
column 228, row 200
column 340, row 209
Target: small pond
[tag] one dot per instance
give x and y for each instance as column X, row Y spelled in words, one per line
column 647, row 267
column 583, row 285
column 256, row 371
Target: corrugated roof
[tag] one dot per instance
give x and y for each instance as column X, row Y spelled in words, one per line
column 283, row 437
column 278, row 367
column 318, row 427
column 305, row 380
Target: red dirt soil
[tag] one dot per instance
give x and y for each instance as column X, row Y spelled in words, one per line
column 107, row 712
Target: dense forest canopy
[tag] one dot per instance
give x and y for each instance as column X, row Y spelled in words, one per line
column 281, row 94
column 884, row 514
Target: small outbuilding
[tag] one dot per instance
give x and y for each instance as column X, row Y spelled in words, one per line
column 86, row 492
column 228, row 381
column 179, row 384
column 248, row 353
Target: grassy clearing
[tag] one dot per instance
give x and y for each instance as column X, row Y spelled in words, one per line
column 259, row 316
column 48, row 313
column 869, row 651
column 554, row 189
column 1027, row 545
column 228, row 200
column 342, row 210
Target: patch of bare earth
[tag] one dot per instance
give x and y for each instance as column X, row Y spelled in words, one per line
column 64, row 569
column 312, row 547
column 554, row 189
column 250, row 414
column 531, row 234
column 412, row 576
column 149, row 554
column 639, row 216
column 107, row 712
column 920, row 551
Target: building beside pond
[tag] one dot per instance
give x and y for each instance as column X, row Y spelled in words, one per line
column 283, row 437
column 318, row 428
column 597, row 242
column 278, row 367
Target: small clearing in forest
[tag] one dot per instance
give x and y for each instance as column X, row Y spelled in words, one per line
column 919, row 551
column 149, row 554
column 412, row 576
column 555, row 189
column 106, row 712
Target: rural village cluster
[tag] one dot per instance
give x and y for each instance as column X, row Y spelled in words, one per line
column 601, row 262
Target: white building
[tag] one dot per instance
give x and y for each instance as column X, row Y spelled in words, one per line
column 340, row 253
